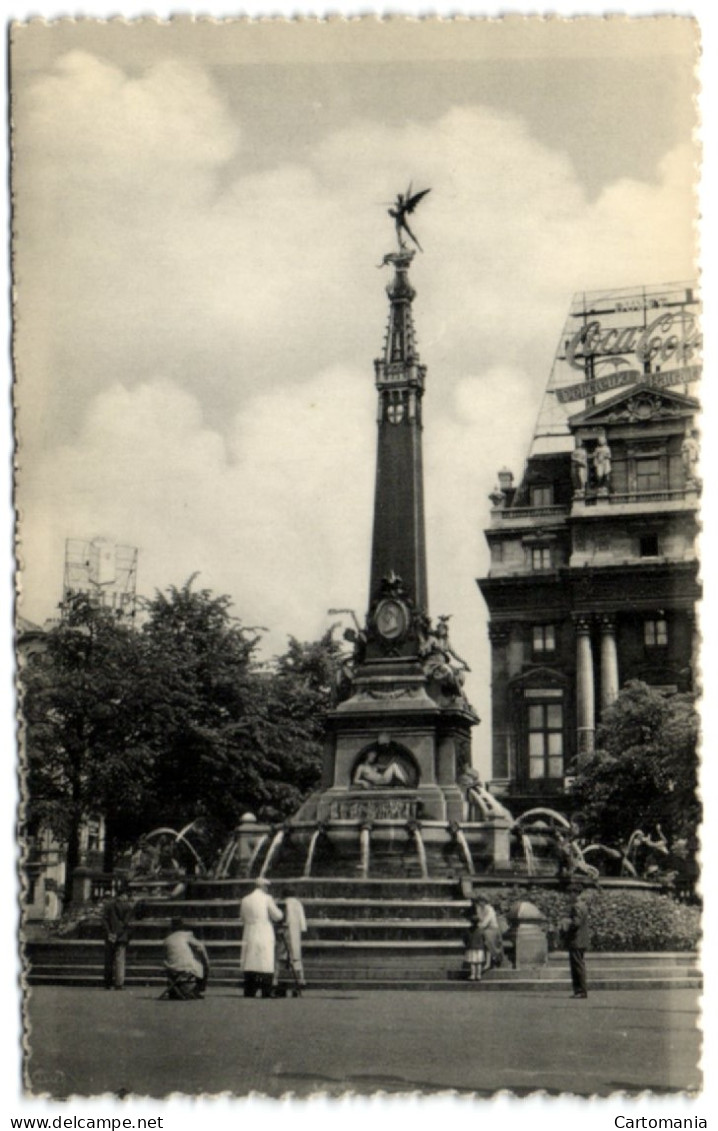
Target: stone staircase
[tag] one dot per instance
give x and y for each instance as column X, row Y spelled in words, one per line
column 362, row 934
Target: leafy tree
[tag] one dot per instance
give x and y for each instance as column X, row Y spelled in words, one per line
column 84, row 704
column 236, row 735
column 172, row 723
column 644, row 770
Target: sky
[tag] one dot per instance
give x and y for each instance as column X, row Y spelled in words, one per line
column 159, row 395
column 199, row 211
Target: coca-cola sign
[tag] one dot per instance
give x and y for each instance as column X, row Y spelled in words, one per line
column 672, row 337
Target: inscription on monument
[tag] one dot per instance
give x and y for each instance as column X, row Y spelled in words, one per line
column 374, row 809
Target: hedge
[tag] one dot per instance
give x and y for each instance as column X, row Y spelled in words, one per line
column 618, row 920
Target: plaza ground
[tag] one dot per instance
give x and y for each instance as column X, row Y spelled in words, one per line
column 91, row 1041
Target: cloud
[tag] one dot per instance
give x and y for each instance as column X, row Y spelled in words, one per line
column 195, row 331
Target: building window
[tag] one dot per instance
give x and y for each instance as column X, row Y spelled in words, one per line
column 655, row 633
column 648, row 474
column 542, row 496
column 545, row 730
column 648, row 546
column 544, row 638
column 541, row 557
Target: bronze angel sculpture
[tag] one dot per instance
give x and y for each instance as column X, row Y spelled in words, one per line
column 405, row 204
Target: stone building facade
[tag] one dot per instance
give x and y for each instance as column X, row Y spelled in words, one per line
column 593, row 578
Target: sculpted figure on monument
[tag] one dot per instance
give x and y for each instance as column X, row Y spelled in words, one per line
column 371, row 774
column 479, row 796
column 690, row 455
column 602, row 461
column 405, row 204
column 579, row 467
column 441, row 663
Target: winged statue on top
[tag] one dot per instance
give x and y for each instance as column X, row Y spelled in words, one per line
column 404, row 205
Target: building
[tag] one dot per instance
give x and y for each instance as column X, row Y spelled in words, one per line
column 593, row 579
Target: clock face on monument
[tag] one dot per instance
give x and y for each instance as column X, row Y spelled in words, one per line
column 391, row 619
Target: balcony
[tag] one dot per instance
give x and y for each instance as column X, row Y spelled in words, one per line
column 520, row 517
column 615, row 503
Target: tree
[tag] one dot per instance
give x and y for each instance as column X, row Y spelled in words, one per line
column 644, row 771
column 236, row 735
column 87, row 746
column 176, row 722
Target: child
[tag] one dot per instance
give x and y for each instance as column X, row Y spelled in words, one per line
column 474, row 943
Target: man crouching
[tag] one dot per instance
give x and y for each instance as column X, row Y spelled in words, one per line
column 186, row 963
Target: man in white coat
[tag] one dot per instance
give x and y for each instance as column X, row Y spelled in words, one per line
column 257, row 912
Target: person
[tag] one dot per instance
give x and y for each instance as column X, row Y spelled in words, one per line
column 296, row 923
column 474, row 949
column 576, row 937
column 166, row 859
column 144, row 860
column 116, row 926
column 368, row 774
column 185, row 954
column 257, row 912
column 488, row 924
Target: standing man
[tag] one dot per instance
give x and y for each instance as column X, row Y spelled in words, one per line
column 296, row 926
column 257, row 912
column 116, row 925
column 577, row 940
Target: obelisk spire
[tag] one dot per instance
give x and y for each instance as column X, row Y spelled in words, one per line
column 399, row 542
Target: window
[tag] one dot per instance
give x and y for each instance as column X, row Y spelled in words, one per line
column 541, row 557
column 655, row 633
column 544, row 638
column 648, row 544
column 545, row 733
column 542, row 496
column 648, row 474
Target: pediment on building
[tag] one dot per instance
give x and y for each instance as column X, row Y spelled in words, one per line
column 538, row 677
column 636, row 405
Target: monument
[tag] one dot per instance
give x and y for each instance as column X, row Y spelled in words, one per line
column 401, row 736
column 397, row 756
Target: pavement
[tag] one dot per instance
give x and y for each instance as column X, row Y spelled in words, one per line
column 91, row 1041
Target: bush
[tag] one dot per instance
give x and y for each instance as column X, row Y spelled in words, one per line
column 619, row 920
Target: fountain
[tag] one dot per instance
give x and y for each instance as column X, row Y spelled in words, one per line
column 256, row 851
column 364, row 849
column 458, row 835
column 273, row 849
column 397, row 756
column 319, row 830
column 414, row 830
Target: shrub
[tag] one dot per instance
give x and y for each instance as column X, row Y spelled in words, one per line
column 619, row 920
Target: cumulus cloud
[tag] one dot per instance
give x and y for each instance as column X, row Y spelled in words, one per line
column 195, row 331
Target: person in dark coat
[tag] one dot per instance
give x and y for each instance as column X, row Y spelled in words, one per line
column 116, row 925
column 576, row 937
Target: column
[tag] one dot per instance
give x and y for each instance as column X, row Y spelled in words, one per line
column 695, row 650
column 585, row 703
column 609, row 662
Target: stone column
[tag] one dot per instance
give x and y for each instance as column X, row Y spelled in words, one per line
column 585, row 702
column 695, row 650
column 609, row 662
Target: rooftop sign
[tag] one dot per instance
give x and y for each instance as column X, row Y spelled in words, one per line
column 617, row 338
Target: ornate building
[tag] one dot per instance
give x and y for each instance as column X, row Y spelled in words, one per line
column 593, row 576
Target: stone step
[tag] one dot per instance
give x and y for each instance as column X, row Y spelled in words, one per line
column 328, row 887
column 525, row 981
column 315, row 906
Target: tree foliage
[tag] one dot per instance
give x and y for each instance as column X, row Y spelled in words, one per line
column 177, row 721
column 645, row 769
column 85, row 703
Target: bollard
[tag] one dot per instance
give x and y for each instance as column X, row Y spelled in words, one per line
column 527, row 931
